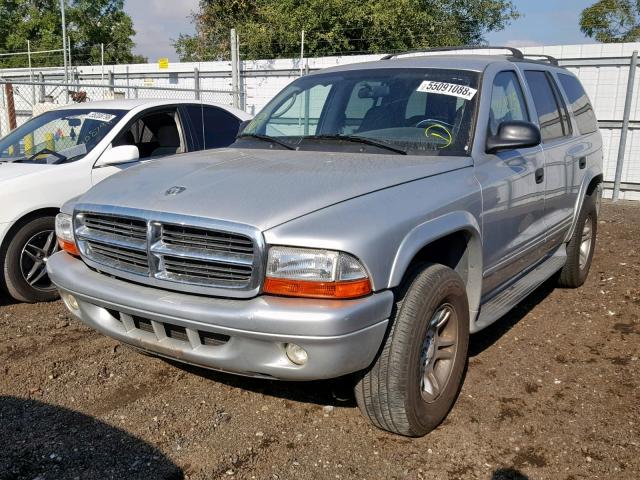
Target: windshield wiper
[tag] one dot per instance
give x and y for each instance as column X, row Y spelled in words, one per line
column 267, row 138
column 359, row 139
column 60, row 158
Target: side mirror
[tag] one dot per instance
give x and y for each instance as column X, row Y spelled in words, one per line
column 242, row 126
column 119, row 155
column 513, row 135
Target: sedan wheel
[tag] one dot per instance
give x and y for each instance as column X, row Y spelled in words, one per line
column 25, row 261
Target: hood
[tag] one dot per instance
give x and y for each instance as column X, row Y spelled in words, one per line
column 262, row 188
column 9, row 171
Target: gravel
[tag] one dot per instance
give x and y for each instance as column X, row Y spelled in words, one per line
column 552, row 392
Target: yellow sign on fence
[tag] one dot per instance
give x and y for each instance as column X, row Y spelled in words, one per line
column 163, row 63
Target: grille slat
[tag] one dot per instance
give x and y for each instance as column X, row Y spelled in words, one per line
column 119, row 226
column 166, row 252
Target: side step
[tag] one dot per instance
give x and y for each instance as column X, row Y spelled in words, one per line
column 504, row 301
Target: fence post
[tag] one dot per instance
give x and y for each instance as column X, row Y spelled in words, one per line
column 235, row 69
column 127, row 76
column 11, row 106
column 625, row 125
column 196, row 82
column 111, row 81
column 42, row 90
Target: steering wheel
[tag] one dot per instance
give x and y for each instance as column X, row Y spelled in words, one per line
column 47, row 151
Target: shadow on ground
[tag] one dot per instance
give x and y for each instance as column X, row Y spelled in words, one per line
column 340, row 391
column 42, row 441
column 508, row 474
column 484, row 339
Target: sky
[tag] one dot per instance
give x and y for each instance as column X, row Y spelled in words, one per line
column 543, row 22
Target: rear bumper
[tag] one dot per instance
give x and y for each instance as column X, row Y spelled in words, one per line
column 340, row 336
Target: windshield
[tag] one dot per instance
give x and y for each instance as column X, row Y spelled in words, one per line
column 58, row 136
column 415, row 111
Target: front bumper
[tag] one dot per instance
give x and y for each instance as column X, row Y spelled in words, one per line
column 246, row 337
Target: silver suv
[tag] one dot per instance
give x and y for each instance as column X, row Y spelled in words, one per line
column 367, row 221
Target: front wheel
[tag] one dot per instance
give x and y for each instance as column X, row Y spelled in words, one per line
column 25, row 261
column 417, row 376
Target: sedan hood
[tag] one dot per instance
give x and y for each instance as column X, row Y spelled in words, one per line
column 262, row 188
column 9, row 171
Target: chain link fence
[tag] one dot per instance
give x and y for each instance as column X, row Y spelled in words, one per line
column 22, row 100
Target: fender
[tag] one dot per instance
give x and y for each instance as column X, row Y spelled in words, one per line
column 432, row 230
column 589, row 175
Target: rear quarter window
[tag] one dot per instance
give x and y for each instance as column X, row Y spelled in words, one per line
column 213, row 127
column 579, row 104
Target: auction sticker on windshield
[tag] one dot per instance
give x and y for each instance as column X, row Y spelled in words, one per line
column 101, row 117
column 444, row 88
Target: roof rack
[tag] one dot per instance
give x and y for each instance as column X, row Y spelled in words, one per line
column 548, row 58
column 514, row 51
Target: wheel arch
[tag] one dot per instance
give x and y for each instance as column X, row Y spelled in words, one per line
column 23, row 220
column 453, row 240
column 593, row 178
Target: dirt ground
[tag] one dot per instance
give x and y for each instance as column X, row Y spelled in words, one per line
column 552, row 392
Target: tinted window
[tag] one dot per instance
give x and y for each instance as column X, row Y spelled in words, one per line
column 507, row 101
column 213, row 127
column 579, row 103
column 552, row 125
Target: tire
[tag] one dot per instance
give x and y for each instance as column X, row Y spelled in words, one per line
column 575, row 271
column 24, row 263
column 392, row 393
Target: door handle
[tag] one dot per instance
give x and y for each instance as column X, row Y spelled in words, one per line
column 582, row 162
column 539, row 175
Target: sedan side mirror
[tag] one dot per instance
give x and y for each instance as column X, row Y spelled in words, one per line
column 119, row 155
column 513, row 135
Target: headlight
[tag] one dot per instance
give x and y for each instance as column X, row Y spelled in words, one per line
column 64, row 232
column 305, row 272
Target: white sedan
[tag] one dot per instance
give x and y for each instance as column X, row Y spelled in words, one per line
column 60, row 154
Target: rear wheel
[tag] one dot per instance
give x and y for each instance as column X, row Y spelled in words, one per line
column 25, row 261
column 582, row 245
column 417, row 376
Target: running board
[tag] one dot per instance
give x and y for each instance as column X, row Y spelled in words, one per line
column 504, row 301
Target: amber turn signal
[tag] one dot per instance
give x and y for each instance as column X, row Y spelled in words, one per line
column 302, row 288
column 69, row 247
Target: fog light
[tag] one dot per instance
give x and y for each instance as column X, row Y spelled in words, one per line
column 296, row 354
column 70, row 301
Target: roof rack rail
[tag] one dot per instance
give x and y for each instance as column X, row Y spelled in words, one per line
column 514, row 51
column 548, row 58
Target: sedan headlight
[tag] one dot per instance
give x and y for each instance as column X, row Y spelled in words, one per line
column 305, row 272
column 64, row 232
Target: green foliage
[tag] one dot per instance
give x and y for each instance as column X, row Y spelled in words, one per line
column 271, row 28
column 612, row 21
column 89, row 23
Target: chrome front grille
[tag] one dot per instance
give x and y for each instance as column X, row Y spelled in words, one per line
column 175, row 252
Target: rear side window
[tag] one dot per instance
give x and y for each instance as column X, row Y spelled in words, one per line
column 579, row 104
column 213, row 127
column 551, row 115
column 507, row 101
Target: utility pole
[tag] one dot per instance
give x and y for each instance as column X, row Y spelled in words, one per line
column 64, row 41
column 235, row 69
column 102, row 61
column 302, row 54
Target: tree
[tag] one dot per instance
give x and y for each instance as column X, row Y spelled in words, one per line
column 89, row 23
column 271, row 28
column 612, row 21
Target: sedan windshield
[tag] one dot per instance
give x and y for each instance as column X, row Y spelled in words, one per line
column 409, row 111
column 58, row 136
